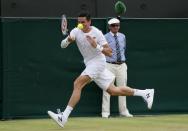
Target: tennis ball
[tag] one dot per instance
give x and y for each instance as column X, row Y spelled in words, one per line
column 80, row 26
column 120, row 8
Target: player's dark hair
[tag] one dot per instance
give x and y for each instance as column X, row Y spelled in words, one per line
column 85, row 14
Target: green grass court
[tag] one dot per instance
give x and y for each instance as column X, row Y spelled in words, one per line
column 138, row 123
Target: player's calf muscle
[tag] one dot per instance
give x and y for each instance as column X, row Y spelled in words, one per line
column 122, row 91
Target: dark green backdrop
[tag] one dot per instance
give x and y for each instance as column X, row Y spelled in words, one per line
column 37, row 75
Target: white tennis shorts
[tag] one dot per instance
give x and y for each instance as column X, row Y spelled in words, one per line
column 97, row 71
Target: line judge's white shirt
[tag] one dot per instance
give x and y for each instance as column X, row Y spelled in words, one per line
column 88, row 52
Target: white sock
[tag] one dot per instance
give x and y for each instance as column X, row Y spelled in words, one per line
column 67, row 111
column 138, row 92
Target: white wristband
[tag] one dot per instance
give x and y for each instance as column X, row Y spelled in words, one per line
column 65, row 43
column 99, row 48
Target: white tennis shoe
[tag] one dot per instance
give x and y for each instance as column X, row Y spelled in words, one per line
column 58, row 118
column 148, row 97
column 126, row 114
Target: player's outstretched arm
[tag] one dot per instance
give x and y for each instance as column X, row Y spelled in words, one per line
column 66, row 41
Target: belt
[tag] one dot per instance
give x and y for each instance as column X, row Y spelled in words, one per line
column 118, row 63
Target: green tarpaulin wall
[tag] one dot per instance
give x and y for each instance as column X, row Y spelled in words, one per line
column 37, row 75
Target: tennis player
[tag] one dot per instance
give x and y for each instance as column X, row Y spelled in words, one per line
column 93, row 47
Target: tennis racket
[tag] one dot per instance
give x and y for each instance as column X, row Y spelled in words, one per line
column 64, row 25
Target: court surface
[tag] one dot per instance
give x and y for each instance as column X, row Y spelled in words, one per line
column 138, row 123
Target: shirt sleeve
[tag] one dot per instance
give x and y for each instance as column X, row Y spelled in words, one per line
column 73, row 33
column 125, row 39
column 101, row 40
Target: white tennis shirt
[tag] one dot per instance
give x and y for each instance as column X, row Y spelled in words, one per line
column 88, row 52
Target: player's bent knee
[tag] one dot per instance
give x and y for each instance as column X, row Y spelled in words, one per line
column 77, row 85
column 110, row 92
